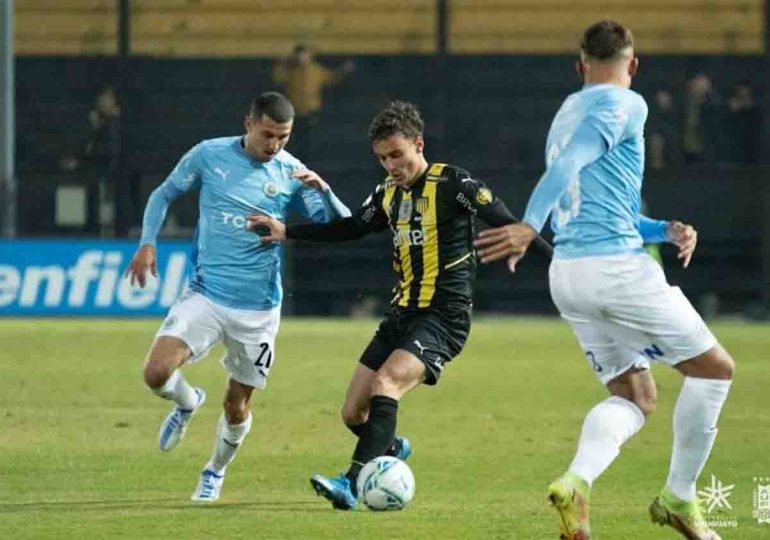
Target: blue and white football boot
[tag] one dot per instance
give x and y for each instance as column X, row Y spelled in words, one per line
column 173, row 428
column 209, row 486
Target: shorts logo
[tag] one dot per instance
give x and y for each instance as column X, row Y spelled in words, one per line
column 653, row 351
column 170, row 322
column 484, row 196
column 271, row 189
column 592, row 358
column 420, row 346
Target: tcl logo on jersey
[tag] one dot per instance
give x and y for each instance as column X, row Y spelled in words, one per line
column 239, row 222
column 409, row 237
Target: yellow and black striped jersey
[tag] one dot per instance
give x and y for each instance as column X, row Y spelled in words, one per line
column 432, row 222
column 433, row 232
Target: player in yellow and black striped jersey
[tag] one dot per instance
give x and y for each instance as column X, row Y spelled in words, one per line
column 430, row 210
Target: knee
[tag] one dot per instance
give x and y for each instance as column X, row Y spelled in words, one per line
column 156, row 373
column 726, row 368
column 384, row 385
column 236, row 410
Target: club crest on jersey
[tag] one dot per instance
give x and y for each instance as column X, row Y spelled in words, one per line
column 484, row 196
column 405, row 210
column 271, row 189
column 422, row 204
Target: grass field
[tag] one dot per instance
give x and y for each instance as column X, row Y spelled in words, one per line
column 79, row 457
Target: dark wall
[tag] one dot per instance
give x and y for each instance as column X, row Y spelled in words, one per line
column 488, row 114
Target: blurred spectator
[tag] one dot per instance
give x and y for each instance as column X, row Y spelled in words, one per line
column 304, row 79
column 99, row 162
column 701, row 119
column 661, row 129
column 113, row 189
column 743, row 124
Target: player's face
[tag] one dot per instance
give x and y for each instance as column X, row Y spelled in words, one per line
column 401, row 157
column 265, row 137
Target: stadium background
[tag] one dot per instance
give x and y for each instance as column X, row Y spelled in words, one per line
column 488, row 75
column 78, row 450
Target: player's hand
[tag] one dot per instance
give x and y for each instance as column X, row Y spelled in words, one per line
column 685, row 237
column 311, row 179
column 267, row 227
column 144, row 259
column 509, row 241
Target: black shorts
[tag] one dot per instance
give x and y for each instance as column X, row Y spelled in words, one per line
column 433, row 335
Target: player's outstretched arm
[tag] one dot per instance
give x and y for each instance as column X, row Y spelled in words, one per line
column 512, row 241
column 184, row 177
column 312, row 179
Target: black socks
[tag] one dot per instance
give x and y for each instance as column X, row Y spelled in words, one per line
column 376, row 435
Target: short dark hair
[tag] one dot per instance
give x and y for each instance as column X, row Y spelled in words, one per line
column 604, row 40
column 274, row 105
column 398, row 117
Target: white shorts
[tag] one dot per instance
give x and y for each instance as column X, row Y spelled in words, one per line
column 248, row 335
column 625, row 314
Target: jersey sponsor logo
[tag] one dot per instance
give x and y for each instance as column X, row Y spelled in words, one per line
column 465, row 203
column 408, row 237
column 405, row 210
column 368, row 214
column 238, row 222
column 271, row 189
column 85, row 278
column 484, row 196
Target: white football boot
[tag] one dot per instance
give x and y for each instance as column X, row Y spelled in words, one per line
column 173, row 428
column 209, row 486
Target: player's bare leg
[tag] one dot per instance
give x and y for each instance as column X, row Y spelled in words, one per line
column 355, row 409
column 234, row 425
column 704, row 391
column 400, row 373
column 162, row 376
column 606, row 427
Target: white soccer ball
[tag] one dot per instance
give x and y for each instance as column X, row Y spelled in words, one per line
column 386, row 483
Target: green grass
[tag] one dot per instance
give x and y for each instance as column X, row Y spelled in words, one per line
column 79, row 458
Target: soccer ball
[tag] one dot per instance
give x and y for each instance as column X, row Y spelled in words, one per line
column 386, row 483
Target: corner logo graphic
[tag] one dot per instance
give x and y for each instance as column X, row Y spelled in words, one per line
column 715, row 496
column 715, row 502
column 762, row 500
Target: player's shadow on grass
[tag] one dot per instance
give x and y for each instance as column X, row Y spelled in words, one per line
column 159, row 504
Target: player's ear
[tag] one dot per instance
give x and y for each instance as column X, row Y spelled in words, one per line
column 420, row 144
column 633, row 66
column 580, row 69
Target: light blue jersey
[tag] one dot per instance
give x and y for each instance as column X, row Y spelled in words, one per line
column 592, row 185
column 232, row 266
